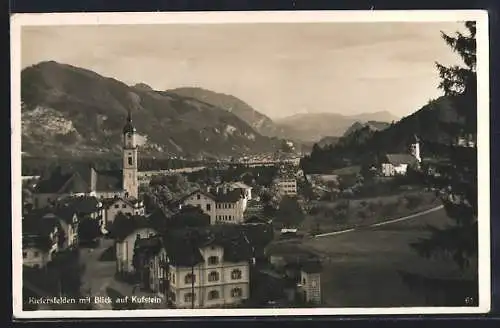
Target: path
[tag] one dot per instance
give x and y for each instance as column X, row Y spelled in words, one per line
column 408, row 217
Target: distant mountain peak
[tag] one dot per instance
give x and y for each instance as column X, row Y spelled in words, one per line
column 143, row 86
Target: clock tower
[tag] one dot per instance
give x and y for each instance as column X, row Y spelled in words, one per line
column 130, row 164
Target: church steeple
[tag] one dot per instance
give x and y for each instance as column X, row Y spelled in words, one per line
column 130, row 159
column 129, row 127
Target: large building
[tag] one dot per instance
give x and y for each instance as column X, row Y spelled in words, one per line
column 87, row 180
column 225, row 203
column 208, row 269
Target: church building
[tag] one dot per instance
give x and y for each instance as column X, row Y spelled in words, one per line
column 88, row 180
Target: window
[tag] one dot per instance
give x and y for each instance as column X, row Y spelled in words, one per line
column 303, row 281
column 130, row 160
column 209, row 208
column 213, row 260
column 198, row 196
column 124, row 205
column 236, row 292
column 236, row 274
column 213, row 276
column 173, row 278
column 213, row 295
column 25, row 255
column 189, row 297
column 35, row 254
column 190, row 279
column 117, row 205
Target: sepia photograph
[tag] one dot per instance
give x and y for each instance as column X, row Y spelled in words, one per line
column 250, row 163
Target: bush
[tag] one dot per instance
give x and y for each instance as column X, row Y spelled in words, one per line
column 413, row 201
column 388, row 209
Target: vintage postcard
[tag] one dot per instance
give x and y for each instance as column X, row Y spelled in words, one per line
column 250, row 163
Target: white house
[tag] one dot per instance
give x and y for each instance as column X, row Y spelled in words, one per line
column 40, row 240
column 397, row 164
column 68, row 224
column 215, row 275
column 224, row 206
column 125, row 233
column 113, row 206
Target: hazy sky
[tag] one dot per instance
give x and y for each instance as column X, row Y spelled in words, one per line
column 279, row 69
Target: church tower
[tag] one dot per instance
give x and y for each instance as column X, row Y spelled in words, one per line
column 415, row 148
column 130, row 163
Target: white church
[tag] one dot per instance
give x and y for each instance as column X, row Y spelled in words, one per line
column 398, row 164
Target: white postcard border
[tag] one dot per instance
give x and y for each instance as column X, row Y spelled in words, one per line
column 480, row 16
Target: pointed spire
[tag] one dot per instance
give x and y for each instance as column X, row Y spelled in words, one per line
column 129, row 116
column 129, row 127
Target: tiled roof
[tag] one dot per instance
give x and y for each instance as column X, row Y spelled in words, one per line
column 81, row 205
column 398, row 159
column 183, row 246
column 80, row 179
column 40, row 242
column 109, row 180
column 123, row 225
column 231, row 196
column 108, row 202
column 311, row 266
column 209, row 195
column 37, row 224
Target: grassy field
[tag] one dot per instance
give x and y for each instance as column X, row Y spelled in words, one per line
column 361, row 267
column 362, row 212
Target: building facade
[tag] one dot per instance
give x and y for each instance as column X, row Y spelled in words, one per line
column 114, row 206
column 125, row 246
column 213, row 276
column 222, row 207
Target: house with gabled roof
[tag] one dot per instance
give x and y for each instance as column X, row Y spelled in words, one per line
column 113, row 206
column 40, row 239
column 201, row 268
column 398, row 164
column 126, row 230
column 223, row 205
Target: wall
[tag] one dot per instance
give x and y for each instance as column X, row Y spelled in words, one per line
column 42, row 200
column 312, row 286
column 125, row 249
column 287, row 186
column 34, row 257
column 202, row 285
column 124, row 207
column 202, row 202
column 233, row 212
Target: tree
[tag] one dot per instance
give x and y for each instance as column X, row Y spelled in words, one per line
column 88, row 230
column 189, row 216
column 289, row 212
column 458, row 179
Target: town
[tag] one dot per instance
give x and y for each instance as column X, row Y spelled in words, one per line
column 238, row 239
column 173, row 196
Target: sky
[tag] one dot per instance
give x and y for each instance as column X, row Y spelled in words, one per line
column 279, row 69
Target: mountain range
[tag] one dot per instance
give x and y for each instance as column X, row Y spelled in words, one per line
column 315, row 126
column 67, row 110
column 70, row 110
column 364, row 144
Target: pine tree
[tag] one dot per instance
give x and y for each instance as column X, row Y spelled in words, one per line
column 457, row 181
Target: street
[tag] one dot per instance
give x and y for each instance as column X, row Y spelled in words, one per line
column 99, row 276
